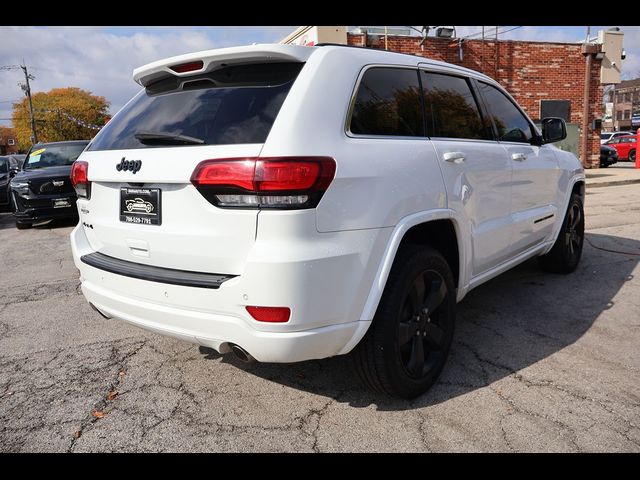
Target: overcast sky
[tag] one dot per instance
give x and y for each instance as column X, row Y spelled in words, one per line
column 101, row 59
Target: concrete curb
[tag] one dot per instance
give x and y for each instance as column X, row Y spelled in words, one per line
column 612, row 183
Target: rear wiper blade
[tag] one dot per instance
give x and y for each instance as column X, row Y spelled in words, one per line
column 167, row 138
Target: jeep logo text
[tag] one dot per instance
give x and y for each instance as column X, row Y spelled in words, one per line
column 132, row 165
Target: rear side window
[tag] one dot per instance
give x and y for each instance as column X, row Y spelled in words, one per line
column 232, row 105
column 4, row 165
column 511, row 123
column 450, row 108
column 388, row 103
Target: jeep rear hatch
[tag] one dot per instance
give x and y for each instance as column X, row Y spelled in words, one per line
column 142, row 205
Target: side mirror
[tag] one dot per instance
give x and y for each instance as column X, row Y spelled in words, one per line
column 553, row 130
column 13, row 171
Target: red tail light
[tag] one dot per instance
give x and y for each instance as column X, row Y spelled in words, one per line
column 281, row 182
column 80, row 178
column 270, row 314
column 187, row 67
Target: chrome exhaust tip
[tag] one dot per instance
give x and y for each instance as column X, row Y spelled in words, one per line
column 241, row 354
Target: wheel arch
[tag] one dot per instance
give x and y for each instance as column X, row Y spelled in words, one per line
column 439, row 229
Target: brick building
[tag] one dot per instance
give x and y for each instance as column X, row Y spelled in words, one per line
column 542, row 76
column 626, row 105
column 8, row 142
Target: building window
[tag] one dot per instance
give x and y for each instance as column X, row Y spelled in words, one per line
column 619, row 115
column 627, row 114
column 11, row 141
column 627, row 97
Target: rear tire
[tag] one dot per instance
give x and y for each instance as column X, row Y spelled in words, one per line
column 632, row 156
column 22, row 225
column 408, row 342
column 566, row 252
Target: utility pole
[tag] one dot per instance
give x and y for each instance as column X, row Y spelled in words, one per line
column 27, row 91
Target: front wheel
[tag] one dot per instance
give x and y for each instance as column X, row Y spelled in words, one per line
column 22, row 225
column 407, row 345
column 566, row 252
column 632, row 156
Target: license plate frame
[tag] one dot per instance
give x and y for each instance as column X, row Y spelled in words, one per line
column 141, row 206
column 62, row 202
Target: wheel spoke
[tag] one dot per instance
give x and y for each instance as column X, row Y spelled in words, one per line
column 436, row 295
column 575, row 219
column 417, row 294
column 416, row 362
column 434, row 336
column 406, row 332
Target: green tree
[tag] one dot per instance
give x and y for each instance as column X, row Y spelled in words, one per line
column 59, row 115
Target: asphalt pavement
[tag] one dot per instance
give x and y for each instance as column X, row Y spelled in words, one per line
column 539, row 363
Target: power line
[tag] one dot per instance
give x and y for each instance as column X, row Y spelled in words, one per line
column 499, row 33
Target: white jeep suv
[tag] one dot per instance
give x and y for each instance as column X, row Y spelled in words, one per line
column 305, row 202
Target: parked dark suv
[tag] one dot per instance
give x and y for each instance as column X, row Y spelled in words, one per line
column 42, row 191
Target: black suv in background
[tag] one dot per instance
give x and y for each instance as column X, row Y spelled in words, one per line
column 42, row 191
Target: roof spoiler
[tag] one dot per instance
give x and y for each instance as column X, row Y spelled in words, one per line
column 208, row 60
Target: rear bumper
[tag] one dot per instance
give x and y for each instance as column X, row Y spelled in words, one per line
column 323, row 293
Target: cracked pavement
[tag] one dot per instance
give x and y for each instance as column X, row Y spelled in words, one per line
column 539, row 363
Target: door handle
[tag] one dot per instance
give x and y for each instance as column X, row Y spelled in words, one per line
column 518, row 156
column 454, row 157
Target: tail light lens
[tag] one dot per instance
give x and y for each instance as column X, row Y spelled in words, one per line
column 270, row 314
column 80, row 178
column 280, row 183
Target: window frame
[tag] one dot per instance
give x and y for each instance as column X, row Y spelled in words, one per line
column 354, row 96
column 536, row 138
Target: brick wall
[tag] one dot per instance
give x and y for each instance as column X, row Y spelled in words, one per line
column 530, row 71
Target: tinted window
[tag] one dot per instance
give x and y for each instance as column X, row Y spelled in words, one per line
column 388, row 103
column 228, row 106
column 4, row 165
column 511, row 124
column 629, row 140
column 451, row 110
column 43, row 156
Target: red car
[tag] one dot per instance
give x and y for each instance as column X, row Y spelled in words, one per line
column 625, row 146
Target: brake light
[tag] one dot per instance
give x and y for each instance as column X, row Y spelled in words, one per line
column 270, row 314
column 187, row 67
column 279, row 182
column 80, row 178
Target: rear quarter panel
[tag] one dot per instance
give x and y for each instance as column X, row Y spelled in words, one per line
column 378, row 180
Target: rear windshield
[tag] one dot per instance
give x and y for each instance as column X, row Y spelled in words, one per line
column 53, row 155
column 231, row 105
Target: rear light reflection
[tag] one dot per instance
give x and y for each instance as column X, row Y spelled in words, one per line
column 270, row 314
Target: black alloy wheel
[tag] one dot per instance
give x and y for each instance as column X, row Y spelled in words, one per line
column 407, row 344
column 566, row 252
column 421, row 328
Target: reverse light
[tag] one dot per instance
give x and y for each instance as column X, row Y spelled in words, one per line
column 187, row 67
column 277, row 182
column 270, row 314
column 80, row 178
